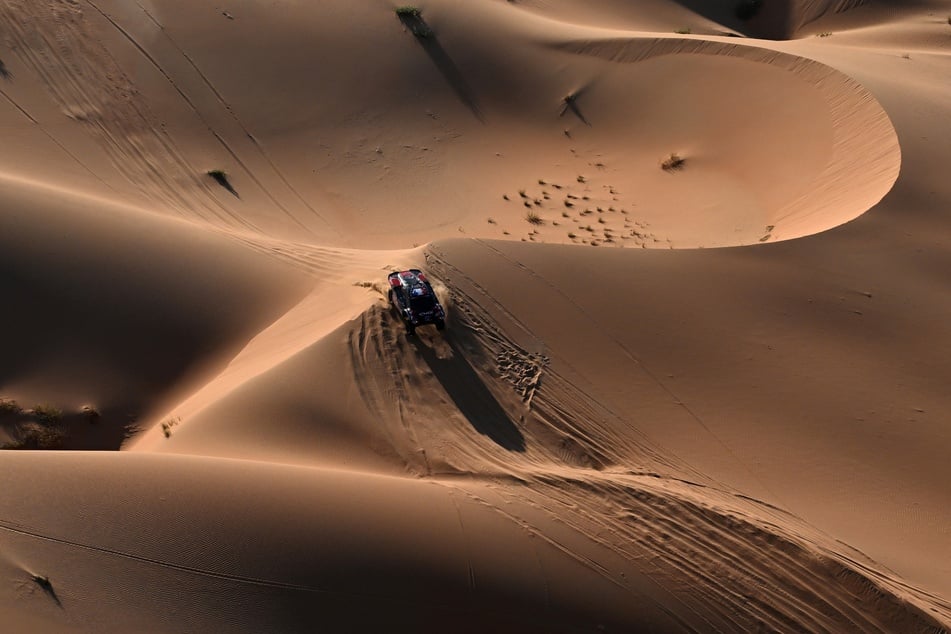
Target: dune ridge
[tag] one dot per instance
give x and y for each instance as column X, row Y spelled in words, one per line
column 865, row 157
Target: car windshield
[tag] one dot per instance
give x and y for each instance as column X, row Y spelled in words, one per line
column 423, row 304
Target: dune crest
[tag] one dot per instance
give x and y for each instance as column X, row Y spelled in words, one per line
column 852, row 163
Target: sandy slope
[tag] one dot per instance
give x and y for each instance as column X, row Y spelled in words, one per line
column 662, row 438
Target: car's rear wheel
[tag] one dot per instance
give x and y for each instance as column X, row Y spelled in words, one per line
column 440, row 325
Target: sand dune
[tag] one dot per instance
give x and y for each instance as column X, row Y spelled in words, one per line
column 729, row 416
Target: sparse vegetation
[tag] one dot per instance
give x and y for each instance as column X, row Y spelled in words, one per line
column 36, row 436
column 412, row 19
column 9, row 406
column 168, row 424
column 581, row 179
column 533, row 218
column 673, row 162
column 47, row 414
column 572, row 235
column 824, row 34
column 683, row 31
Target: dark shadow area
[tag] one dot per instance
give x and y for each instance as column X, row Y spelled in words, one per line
column 4, row 71
column 222, row 179
column 765, row 19
column 571, row 105
column 747, row 9
column 427, row 39
column 471, row 396
column 44, row 427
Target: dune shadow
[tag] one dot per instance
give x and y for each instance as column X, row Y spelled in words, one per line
column 751, row 18
column 471, row 396
column 444, row 63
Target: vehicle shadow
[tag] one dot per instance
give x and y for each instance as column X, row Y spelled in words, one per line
column 470, row 395
column 427, row 39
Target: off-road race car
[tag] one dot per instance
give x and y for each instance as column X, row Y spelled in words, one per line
column 414, row 300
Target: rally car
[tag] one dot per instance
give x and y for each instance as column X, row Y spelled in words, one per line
column 414, row 300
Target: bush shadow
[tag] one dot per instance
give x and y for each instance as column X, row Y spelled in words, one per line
column 447, row 67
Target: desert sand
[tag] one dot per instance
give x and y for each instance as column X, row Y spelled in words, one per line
column 695, row 258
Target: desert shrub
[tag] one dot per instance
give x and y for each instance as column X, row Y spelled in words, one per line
column 47, row 413
column 533, row 218
column 168, row 424
column 91, row 414
column 412, row 18
column 36, row 436
column 673, row 162
column 9, row 406
column 221, row 177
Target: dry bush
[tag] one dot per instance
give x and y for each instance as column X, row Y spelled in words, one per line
column 36, row 436
column 673, row 162
column 47, row 413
